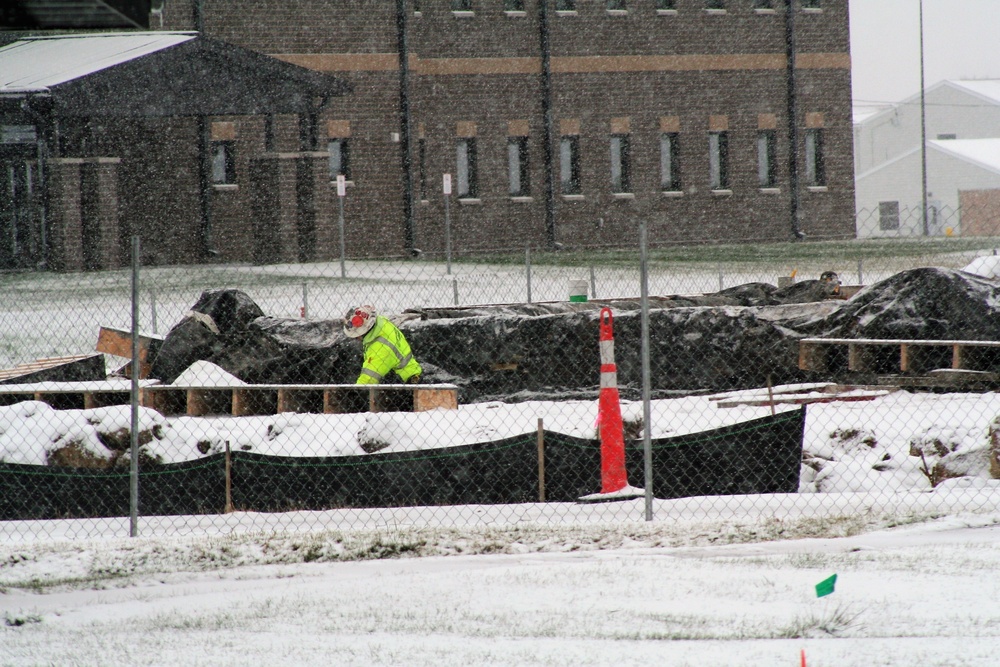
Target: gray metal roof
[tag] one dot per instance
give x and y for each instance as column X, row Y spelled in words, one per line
column 38, row 63
column 145, row 74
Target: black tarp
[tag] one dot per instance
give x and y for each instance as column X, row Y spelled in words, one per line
column 759, row 456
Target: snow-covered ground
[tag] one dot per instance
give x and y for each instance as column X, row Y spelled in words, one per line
column 723, row 588
column 708, row 581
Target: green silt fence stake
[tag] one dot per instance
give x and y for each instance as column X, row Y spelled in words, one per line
column 825, row 587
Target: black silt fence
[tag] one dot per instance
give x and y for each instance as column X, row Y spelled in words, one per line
column 760, row 456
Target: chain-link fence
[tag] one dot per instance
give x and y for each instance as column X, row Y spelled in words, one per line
column 753, row 373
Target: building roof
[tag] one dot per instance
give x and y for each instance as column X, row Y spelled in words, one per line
column 983, row 153
column 988, row 90
column 38, row 63
column 143, row 74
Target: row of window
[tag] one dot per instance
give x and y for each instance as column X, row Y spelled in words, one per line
column 518, row 173
column 623, row 5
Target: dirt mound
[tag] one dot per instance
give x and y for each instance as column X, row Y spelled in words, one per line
column 925, row 303
column 738, row 338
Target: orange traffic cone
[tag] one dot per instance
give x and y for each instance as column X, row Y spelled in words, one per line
column 614, row 479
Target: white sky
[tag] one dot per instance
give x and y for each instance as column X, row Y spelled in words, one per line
column 960, row 41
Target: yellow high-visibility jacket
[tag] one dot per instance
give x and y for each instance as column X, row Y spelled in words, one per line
column 386, row 350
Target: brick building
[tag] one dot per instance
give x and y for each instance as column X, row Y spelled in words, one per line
column 106, row 136
column 559, row 122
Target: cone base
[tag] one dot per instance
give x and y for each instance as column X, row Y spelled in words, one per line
column 625, row 493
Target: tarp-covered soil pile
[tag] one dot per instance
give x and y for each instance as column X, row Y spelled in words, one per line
column 738, row 338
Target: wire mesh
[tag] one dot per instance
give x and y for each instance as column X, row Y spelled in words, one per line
column 250, row 407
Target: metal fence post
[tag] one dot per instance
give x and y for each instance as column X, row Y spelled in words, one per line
column 446, row 186
column 134, row 399
column 647, row 445
column 152, row 309
column 527, row 269
column 341, row 193
column 593, row 283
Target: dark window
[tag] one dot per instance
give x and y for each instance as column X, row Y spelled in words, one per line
column 340, row 158
column 718, row 160
column 670, row 163
column 810, row 4
column 461, row 5
column 763, row 4
column 517, row 166
column 666, row 4
column 815, row 168
column 766, row 163
column 223, row 163
column 416, row 6
column 513, row 5
column 422, row 166
column 947, row 136
column 715, row 4
column 565, row 5
column 466, row 169
column 620, row 163
column 888, row 215
column 569, row 165
column 614, row 5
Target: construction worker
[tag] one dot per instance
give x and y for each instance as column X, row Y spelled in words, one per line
column 385, row 347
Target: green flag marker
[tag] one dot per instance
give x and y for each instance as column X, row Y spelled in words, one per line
column 825, row 587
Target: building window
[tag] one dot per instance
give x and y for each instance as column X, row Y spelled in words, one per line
column 569, row 165
column 517, row 166
column 340, row 158
column 620, row 163
column 763, row 4
column 513, row 5
column 767, row 141
column 718, row 160
column 616, row 5
column 666, row 5
column 815, row 169
column 416, row 6
column 461, row 5
column 888, row 215
column 565, row 5
column 810, row 4
column 223, row 163
column 947, row 136
column 466, row 170
column 422, row 166
column 670, row 172
column 715, row 4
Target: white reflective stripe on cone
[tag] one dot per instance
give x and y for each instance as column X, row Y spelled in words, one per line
column 607, row 351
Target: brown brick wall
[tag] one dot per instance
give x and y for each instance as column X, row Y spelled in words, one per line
column 980, row 212
column 64, row 219
column 484, row 70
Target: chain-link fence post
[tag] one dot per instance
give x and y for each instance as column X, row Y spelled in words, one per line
column 647, row 446
column 134, row 398
column 341, row 193
column 527, row 269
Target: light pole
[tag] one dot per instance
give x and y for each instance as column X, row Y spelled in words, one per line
column 923, row 131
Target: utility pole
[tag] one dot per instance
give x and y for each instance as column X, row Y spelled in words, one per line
column 923, row 131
